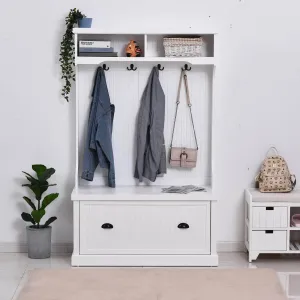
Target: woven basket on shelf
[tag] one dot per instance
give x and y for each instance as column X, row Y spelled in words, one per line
column 187, row 47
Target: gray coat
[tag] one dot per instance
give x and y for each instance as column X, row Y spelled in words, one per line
column 151, row 151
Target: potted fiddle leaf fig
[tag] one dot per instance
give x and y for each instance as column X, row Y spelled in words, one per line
column 38, row 234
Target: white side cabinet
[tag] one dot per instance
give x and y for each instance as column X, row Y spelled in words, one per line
column 141, row 226
column 268, row 227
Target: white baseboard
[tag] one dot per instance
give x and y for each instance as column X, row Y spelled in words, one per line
column 68, row 247
column 230, row 247
column 22, row 248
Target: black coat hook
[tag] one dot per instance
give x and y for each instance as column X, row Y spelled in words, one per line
column 105, row 68
column 186, row 68
column 132, row 68
column 160, row 68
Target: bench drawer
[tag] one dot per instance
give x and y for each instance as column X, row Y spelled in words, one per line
column 269, row 240
column 269, row 217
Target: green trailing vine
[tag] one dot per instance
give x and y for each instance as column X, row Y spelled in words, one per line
column 67, row 52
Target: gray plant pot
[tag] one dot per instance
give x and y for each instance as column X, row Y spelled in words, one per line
column 39, row 242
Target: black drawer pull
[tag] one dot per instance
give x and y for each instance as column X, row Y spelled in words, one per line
column 269, row 231
column 183, row 226
column 269, row 208
column 107, row 226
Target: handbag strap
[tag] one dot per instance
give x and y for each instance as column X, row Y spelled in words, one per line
column 188, row 100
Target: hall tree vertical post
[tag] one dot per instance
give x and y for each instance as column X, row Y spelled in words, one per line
column 76, row 208
column 138, row 225
column 77, row 114
column 214, row 207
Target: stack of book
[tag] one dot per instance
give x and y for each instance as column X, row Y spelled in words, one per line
column 96, row 49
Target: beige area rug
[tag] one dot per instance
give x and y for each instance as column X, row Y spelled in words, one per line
column 152, row 284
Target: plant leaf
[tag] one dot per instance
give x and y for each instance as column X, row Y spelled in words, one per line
column 28, row 174
column 27, row 218
column 47, row 174
column 39, row 169
column 38, row 214
column 49, row 221
column 38, row 190
column 29, row 202
column 48, row 199
column 30, row 178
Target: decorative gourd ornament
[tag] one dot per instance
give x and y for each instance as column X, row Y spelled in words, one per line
column 133, row 49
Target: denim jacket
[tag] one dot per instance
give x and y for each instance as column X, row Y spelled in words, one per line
column 98, row 147
column 151, row 151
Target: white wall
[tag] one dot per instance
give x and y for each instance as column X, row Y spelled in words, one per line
column 257, row 105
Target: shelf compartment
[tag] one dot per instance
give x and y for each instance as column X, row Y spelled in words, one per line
column 295, row 246
column 294, row 210
column 118, row 42
column 295, row 241
column 155, row 46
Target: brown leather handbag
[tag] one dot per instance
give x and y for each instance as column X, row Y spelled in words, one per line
column 181, row 156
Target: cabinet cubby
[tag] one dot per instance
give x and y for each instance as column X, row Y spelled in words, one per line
column 118, row 41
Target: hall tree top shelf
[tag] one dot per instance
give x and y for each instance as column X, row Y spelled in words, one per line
column 151, row 45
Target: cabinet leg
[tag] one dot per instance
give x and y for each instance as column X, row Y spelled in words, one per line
column 253, row 256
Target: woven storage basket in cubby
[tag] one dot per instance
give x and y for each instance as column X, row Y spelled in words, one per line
column 176, row 47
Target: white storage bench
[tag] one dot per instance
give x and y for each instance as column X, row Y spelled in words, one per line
column 268, row 227
column 140, row 226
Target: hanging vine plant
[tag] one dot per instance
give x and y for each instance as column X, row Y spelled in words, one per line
column 67, row 52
